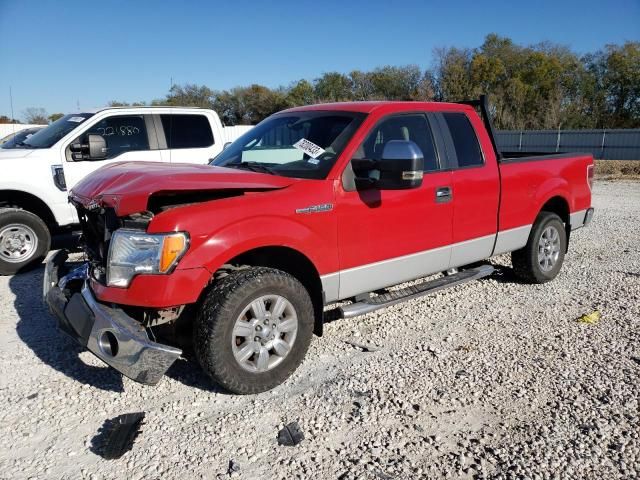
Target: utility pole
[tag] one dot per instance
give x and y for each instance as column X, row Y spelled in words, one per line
column 12, row 117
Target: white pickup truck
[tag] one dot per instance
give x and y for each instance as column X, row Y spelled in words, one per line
column 35, row 177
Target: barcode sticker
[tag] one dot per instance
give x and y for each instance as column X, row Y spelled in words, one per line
column 308, row 147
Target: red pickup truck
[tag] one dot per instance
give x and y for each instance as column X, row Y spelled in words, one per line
column 316, row 205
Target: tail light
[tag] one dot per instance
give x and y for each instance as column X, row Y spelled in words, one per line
column 590, row 176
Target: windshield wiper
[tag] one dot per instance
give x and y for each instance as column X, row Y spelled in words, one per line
column 253, row 166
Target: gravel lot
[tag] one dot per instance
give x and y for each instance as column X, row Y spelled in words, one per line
column 494, row 379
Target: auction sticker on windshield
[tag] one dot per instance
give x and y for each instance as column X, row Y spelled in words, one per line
column 76, row 119
column 308, row 147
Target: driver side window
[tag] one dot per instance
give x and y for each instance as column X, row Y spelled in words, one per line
column 413, row 127
column 122, row 133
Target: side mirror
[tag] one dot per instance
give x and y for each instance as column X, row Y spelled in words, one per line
column 226, row 145
column 97, row 147
column 401, row 167
column 94, row 149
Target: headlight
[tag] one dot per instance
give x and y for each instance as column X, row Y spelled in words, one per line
column 132, row 252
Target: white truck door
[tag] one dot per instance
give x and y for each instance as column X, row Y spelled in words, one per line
column 187, row 137
column 129, row 137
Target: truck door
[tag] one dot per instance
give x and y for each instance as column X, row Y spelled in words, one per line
column 475, row 189
column 129, row 137
column 391, row 236
column 186, row 138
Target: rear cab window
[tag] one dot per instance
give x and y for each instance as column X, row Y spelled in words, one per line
column 187, row 131
column 465, row 141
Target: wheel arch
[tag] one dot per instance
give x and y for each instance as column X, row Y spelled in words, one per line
column 30, row 203
column 559, row 205
column 293, row 262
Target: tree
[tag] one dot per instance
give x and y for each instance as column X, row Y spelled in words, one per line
column 4, row 119
column 453, row 77
column 300, row 93
column 189, row 95
column 55, row 116
column 615, row 85
column 361, row 85
column 396, row 83
column 543, row 86
column 35, row 116
column 333, row 87
column 117, row 103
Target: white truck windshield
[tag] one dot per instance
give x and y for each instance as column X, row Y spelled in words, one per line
column 47, row 137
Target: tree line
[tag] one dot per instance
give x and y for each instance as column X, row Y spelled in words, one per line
column 542, row 86
column 33, row 116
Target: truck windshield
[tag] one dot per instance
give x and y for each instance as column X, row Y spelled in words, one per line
column 293, row 144
column 47, row 137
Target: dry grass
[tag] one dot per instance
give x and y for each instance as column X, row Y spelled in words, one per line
column 618, row 169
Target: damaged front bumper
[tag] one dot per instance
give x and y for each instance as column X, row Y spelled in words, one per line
column 106, row 331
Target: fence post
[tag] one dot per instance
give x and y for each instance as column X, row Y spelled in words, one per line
column 520, row 142
column 558, row 141
column 604, row 136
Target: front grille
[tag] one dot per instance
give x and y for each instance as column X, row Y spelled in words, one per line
column 97, row 227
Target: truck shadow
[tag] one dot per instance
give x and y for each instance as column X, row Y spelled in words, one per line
column 37, row 329
column 188, row 372
column 503, row 274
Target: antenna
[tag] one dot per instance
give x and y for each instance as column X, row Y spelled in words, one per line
column 12, row 117
column 169, row 140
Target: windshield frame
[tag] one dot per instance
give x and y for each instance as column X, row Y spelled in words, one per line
column 56, row 131
column 228, row 157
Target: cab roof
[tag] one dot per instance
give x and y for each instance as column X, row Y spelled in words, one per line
column 130, row 107
column 389, row 106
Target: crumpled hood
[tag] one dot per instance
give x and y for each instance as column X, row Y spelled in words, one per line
column 127, row 186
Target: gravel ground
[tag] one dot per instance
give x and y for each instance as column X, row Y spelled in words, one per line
column 493, row 379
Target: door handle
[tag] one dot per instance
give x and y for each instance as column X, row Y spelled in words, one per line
column 443, row 194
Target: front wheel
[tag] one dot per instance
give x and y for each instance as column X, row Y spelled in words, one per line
column 253, row 329
column 24, row 240
column 541, row 259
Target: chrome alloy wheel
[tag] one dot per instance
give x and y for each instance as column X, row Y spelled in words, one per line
column 548, row 248
column 18, row 243
column 264, row 333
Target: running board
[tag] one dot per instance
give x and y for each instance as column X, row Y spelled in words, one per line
column 416, row 291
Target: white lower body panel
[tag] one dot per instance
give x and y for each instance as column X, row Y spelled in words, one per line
column 367, row 278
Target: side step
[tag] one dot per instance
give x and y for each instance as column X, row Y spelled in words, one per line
column 409, row 293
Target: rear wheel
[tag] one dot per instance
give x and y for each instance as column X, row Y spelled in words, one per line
column 253, row 329
column 541, row 259
column 24, row 240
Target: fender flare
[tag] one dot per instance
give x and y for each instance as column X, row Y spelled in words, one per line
column 252, row 233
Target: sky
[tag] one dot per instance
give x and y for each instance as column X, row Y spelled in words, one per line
column 61, row 55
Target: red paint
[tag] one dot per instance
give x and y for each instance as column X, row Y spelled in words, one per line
column 363, row 227
column 128, row 185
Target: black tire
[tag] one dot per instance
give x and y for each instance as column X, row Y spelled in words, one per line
column 525, row 261
column 222, row 305
column 24, row 222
